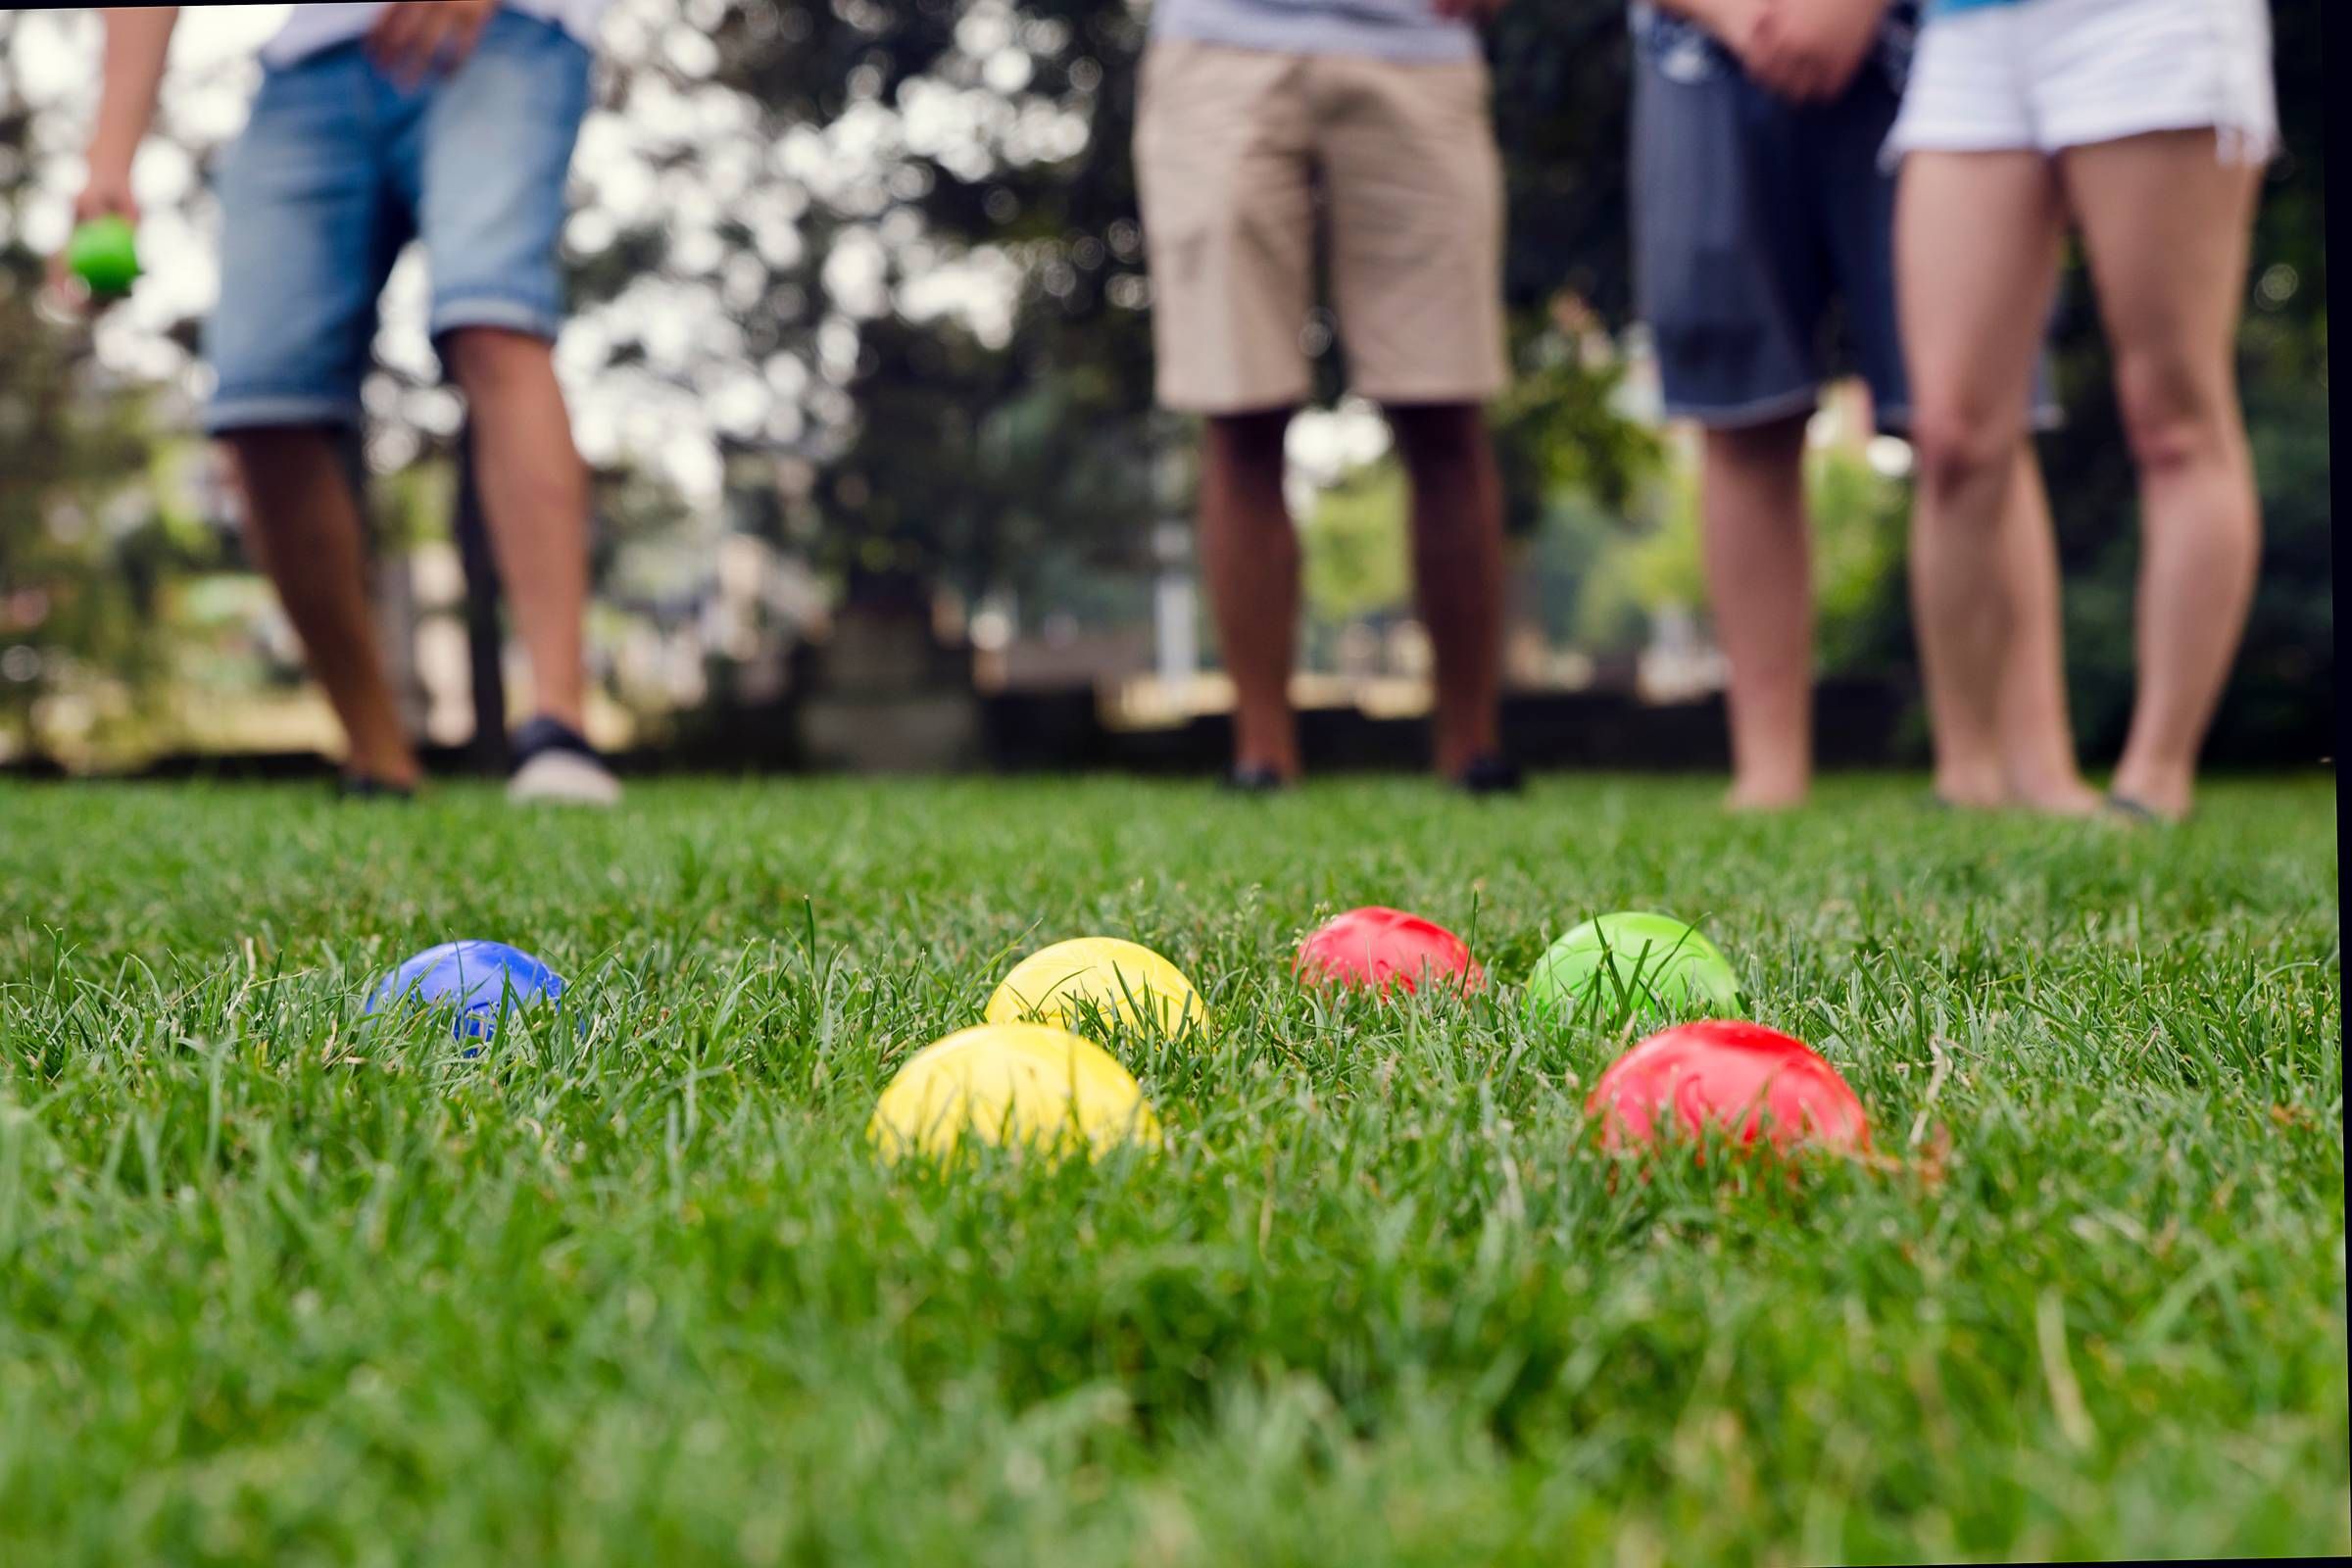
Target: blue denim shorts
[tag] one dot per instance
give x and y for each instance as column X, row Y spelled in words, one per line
column 1764, row 235
column 340, row 166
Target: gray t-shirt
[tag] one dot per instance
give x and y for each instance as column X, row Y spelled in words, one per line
column 1393, row 29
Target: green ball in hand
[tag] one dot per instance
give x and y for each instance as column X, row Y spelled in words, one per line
column 1632, row 964
column 104, row 253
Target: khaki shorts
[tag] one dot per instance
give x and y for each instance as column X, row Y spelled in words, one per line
column 1230, row 146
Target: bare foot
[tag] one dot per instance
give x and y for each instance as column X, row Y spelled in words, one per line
column 2164, row 793
column 1972, row 783
column 1743, row 799
column 2126, row 810
column 385, row 763
column 2074, row 799
column 1972, row 797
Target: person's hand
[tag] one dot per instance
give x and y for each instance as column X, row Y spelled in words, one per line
column 413, row 38
column 1470, row 10
column 105, row 191
column 1728, row 21
column 1807, row 50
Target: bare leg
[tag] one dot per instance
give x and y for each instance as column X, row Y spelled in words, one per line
column 1976, row 238
column 2037, row 739
column 1249, row 554
column 535, row 498
column 1761, row 585
column 2166, row 224
column 304, row 524
column 1458, row 565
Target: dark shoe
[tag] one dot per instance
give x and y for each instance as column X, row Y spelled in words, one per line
column 554, row 763
column 364, row 787
column 1491, row 774
column 1256, row 779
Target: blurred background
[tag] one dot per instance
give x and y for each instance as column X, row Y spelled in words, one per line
column 862, row 360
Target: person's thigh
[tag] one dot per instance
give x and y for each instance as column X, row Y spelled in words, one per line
column 487, row 158
column 2165, row 224
column 1728, row 272
column 1976, row 242
column 308, row 235
column 1222, row 174
column 1414, row 185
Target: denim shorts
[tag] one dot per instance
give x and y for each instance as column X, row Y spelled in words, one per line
column 340, row 166
column 1764, row 236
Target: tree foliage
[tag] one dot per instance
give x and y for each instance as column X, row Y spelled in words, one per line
column 887, row 258
column 88, row 545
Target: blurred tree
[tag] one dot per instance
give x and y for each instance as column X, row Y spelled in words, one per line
column 89, row 540
column 1860, row 518
column 1353, row 544
column 1638, row 565
column 995, row 139
column 937, row 257
column 1620, row 571
column 1557, row 427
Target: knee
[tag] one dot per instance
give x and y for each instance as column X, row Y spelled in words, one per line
column 1955, row 448
column 1773, row 449
column 2173, row 417
column 255, row 446
column 1440, row 438
column 265, row 456
column 1248, row 442
column 483, row 359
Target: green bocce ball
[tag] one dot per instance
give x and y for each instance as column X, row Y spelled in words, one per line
column 104, row 253
column 1631, row 964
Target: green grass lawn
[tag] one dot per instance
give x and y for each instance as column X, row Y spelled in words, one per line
column 272, row 1290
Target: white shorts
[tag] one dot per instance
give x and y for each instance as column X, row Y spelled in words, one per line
column 2045, row 74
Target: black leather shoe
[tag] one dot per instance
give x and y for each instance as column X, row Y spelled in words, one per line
column 1491, row 774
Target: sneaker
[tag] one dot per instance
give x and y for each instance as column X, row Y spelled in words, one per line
column 554, row 763
column 1491, row 774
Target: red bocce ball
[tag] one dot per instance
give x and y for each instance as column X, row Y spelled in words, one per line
column 1741, row 1077
column 1378, row 948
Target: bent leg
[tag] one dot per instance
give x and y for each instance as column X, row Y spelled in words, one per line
column 304, row 524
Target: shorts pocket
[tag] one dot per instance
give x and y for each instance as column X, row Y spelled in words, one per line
column 1679, row 50
column 1689, row 205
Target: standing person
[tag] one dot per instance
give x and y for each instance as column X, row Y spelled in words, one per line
column 1250, row 109
column 1759, row 208
column 2143, row 125
column 376, row 124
